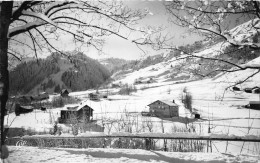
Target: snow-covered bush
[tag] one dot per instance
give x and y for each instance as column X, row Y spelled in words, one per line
column 127, row 89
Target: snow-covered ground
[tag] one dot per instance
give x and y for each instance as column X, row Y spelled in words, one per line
column 107, row 155
column 208, row 99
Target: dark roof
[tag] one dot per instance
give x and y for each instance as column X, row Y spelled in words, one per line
column 64, row 91
column 169, row 103
column 82, row 105
column 27, row 107
column 77, row 107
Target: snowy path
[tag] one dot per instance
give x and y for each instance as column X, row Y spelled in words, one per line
column 57, row 155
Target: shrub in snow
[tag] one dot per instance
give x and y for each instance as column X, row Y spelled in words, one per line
column 60, row 101
column 187, row 99
column 127, row 89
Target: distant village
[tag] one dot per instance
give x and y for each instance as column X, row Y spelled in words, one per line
column 82, row 113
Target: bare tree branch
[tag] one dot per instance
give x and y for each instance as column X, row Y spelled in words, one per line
column 56, row 5
column 14, row 56
column 33, row 41
column 244, row 80
column 21, row 29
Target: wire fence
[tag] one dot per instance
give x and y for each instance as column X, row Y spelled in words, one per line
column 171, row 121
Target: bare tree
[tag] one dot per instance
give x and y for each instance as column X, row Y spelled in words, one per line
column 32, row 27
column 214, row 21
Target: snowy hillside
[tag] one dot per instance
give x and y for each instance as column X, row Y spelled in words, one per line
column 223, row 109
column 169, row 67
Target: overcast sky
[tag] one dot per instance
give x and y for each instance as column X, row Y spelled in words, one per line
column 119, row 48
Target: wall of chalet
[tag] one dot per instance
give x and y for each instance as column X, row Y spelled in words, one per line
column 161, row 109
column 73, row 116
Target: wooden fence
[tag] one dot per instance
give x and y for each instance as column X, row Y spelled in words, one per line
column 184, row 136
column 180, row 142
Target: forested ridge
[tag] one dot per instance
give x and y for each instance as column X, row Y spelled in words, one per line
column 78, row 72
column 114, row 64
column 86, row 73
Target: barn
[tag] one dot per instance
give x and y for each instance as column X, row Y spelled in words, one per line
column 163, row 108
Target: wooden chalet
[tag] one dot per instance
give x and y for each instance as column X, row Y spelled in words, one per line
column 77, row 114
column 162, row 108
column 64, row 93
column 256, row 90
column 93, row 96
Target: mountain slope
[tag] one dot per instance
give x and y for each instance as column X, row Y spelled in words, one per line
column 55, row 73
column 113, row 64
column 170, row 67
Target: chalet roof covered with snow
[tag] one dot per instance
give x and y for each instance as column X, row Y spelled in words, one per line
column 84, row 103
column 169, row 103
column 91, row 104
column 64, row 91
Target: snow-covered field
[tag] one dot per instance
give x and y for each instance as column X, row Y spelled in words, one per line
column 208, row 99
column 100, row 155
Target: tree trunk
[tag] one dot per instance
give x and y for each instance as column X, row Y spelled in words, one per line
column 5, row 17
